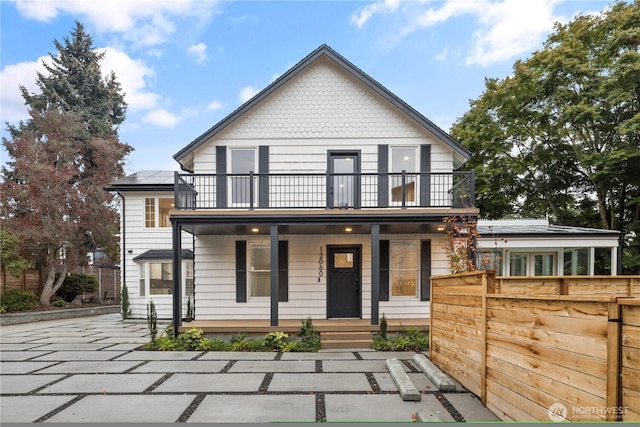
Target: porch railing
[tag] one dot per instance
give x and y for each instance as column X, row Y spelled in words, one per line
column 324, row 190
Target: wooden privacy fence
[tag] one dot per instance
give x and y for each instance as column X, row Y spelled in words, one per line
column 541, row 348
column 32, row 280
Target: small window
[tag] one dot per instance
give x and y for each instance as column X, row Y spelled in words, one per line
column 150, row 213
column 490, row 260
column 260, row 270
column 518, row 264
column 157, row 212
column 160, row 278
column 143, row 280
column 189, row 283
column 343, row 260
column 404, row 269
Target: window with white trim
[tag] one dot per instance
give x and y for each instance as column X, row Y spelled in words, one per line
column 156, row 212
column 404, row 159
column 156, row 277
column 404, row 269
column 259, row 276
column 242, row 161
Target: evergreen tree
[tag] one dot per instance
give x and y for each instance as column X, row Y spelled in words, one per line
column 52, row 195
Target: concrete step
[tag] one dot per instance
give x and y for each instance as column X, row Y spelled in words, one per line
column 329, row 340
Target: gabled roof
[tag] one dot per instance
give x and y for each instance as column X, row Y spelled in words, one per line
column 144, row 181
column 325, row 50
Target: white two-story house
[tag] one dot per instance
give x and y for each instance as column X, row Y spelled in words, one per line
column 323, row 196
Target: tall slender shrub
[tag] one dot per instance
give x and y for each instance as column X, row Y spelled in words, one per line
column 125, row 309
column 152, row 320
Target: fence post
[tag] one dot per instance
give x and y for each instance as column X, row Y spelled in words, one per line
column 614, row 337
column 483, row 361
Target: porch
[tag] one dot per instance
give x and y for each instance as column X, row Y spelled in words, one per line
column 334, row 333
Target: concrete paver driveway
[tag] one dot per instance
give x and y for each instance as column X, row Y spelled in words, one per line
column 88, row 370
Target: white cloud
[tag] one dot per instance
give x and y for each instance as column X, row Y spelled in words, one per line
column 11, row 77
column 510, row 28
column 162, row 118
column 502, row 29
column 156, row 53
column 246, row 93
column 363, row 14
column 215, row 106
column 131, row 73
column 145, row 22
column 198, row 52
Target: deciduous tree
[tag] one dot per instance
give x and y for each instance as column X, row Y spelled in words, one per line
column 561, row 136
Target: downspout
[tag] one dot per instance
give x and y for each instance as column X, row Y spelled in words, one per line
column 123, row 239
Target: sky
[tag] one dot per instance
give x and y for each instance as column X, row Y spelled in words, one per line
column 184, row 65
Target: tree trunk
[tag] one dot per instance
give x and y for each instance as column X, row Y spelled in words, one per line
column 50, row 288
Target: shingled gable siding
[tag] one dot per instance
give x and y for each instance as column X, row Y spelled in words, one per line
column 322, row 108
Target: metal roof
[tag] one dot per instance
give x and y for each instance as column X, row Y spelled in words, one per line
column 144, row 180
column 325, row 50
column 163, row 254
column 536, row 228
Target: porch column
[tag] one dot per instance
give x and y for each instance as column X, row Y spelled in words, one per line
column 614, row 261
column 177, row 277
column 375, row 273
column 274, row 275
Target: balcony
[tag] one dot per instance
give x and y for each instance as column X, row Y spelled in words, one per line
column 324, row 191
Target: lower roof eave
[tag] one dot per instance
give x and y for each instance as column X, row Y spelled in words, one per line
column 318, row 221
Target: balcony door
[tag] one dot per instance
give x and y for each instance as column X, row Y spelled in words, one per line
column 343, row 179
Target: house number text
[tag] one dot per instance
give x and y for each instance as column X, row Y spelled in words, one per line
column 320, row 265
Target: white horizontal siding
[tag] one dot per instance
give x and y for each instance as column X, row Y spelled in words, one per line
column 215, row 278
column 139, row 240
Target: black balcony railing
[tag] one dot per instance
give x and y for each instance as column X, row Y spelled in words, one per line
column 328, row 191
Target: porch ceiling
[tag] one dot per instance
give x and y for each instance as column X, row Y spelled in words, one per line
column 396, row 221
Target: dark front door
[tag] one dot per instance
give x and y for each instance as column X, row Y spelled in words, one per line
column 343, row 281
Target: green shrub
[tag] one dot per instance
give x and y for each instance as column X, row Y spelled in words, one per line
column 59, row 303
column 407, row 340
column 309, row 338
column 383, row 326
column 275, row 340
column 125, row 310
column 19, row 300
column 152, row 320
column 77, row 283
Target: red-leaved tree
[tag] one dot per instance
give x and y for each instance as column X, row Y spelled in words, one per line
column 52, row 196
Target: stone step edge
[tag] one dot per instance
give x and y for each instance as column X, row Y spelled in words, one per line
column 435, row 375
column 408, row 391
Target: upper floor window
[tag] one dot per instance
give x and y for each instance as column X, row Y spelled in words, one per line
column 156, row 211
column 404, row 159
column 242, row 161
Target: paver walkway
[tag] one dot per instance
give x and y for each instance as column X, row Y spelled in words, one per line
column 87, row 370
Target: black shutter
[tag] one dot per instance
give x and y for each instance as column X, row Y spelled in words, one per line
column 263, row 181
column 384, row 270
column 383, row 176
column 425, row 270
column 283, row 271
column 425, row 175
column 221, row 177
column 241, row 271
